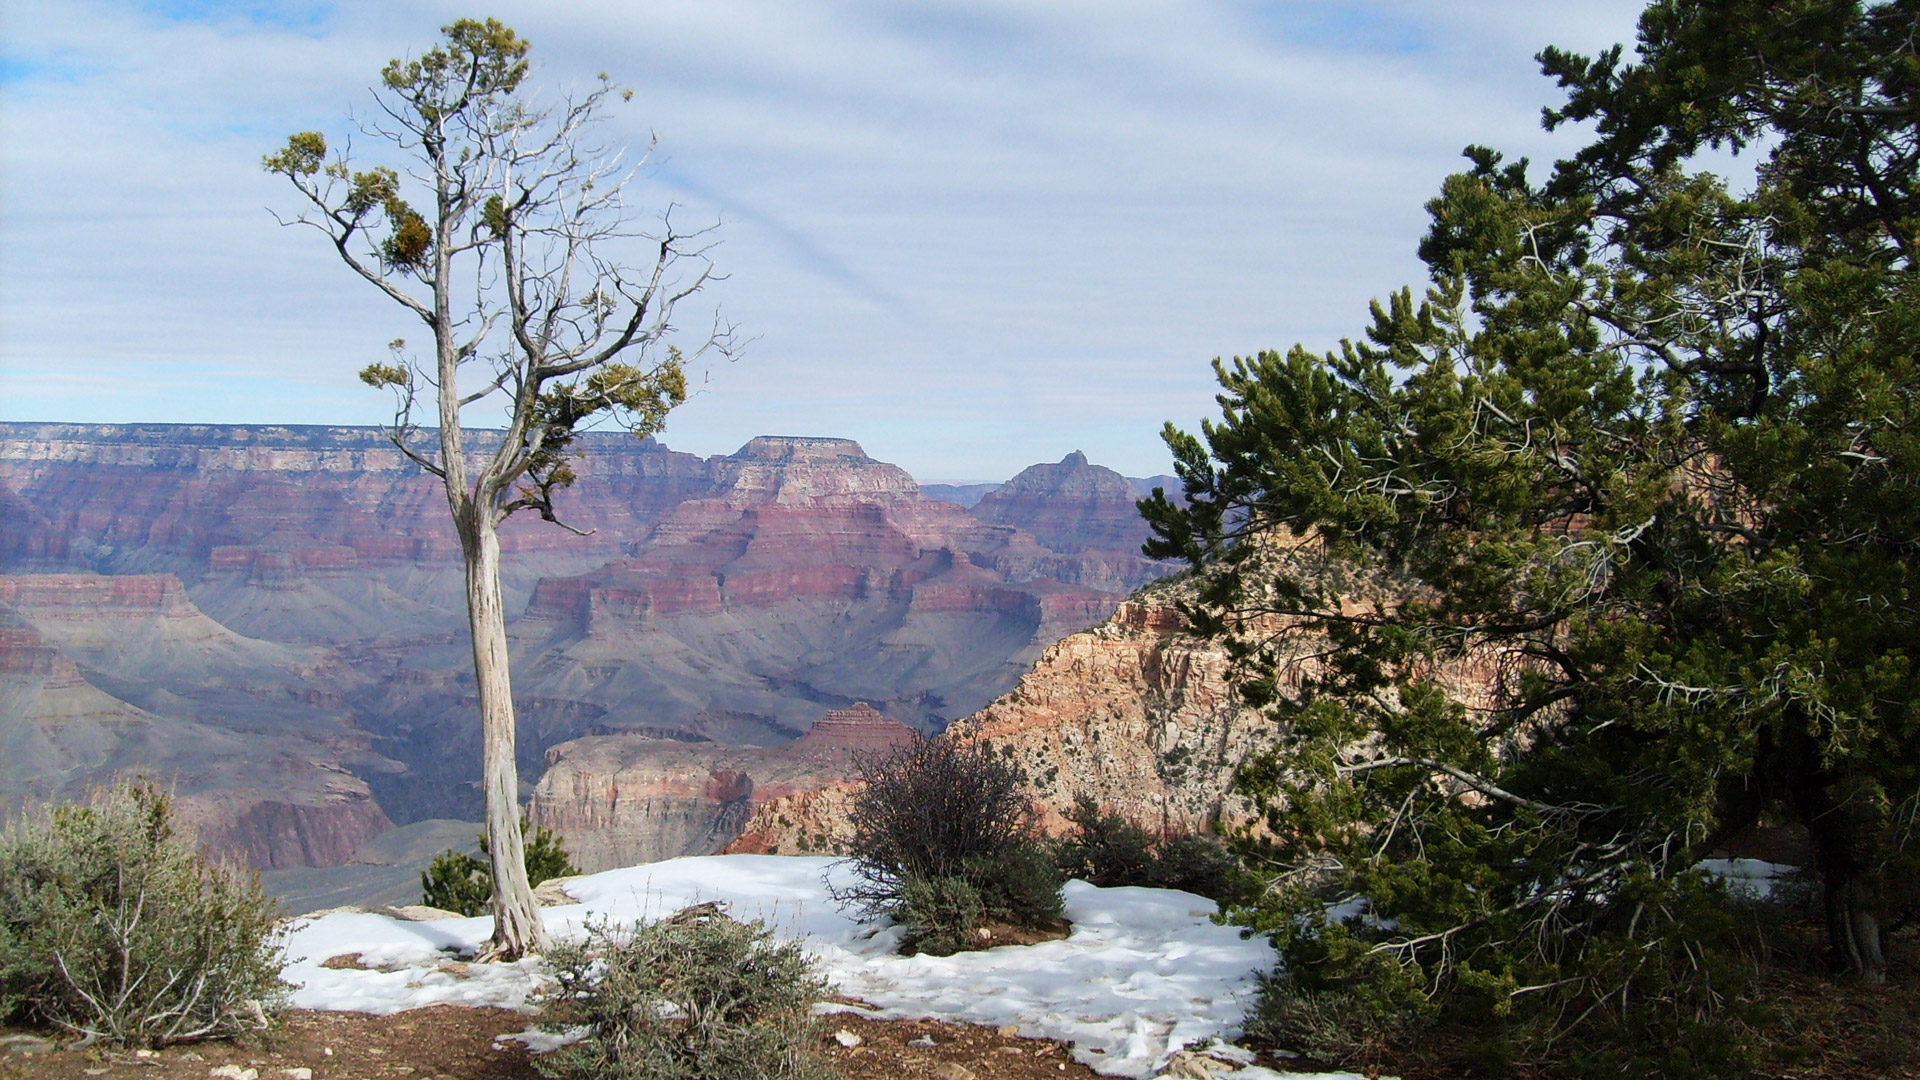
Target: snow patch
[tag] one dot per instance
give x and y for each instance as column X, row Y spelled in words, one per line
column 1144, row 973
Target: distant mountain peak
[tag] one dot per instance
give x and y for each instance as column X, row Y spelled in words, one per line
column 1075, row 459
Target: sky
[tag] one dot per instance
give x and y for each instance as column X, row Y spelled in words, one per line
column 972, row 236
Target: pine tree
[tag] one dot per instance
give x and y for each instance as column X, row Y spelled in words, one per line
column 1599, row 553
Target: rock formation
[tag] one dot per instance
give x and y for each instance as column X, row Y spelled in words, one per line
column 123, row 675
column 624, row 799
column 1068, row 506
column 264, row 607
column 1135, row 713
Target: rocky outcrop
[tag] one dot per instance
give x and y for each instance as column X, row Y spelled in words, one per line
column 1135, row 713
column 621, row 800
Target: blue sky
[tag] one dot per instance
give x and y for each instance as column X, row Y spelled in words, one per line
column 972, row 236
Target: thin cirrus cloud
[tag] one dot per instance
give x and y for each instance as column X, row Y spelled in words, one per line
column 973, row 236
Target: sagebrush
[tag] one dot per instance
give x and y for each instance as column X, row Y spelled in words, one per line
column 114, row 927
column 697, row 996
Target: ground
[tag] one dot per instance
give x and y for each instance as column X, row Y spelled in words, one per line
column 1838, row 1032
column 447, row 1042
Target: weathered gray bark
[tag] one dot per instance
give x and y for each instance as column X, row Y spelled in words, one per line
column 517, row 928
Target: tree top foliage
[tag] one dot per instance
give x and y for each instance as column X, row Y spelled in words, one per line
column 503, row 225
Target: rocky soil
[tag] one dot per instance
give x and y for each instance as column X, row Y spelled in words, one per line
column 448, row 1042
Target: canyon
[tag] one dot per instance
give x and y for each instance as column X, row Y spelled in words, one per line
column 269, row 619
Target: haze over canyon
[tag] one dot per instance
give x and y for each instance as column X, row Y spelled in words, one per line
column 271, row 619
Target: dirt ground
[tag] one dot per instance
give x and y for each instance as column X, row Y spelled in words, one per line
column 447, row 1042
column 1824, row 1030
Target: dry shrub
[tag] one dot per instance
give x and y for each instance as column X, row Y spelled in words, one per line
column 694, row 997
column 943, row 841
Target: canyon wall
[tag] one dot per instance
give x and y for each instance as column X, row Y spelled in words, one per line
column 111, row 676
column 272, row 616
column 625, row 799
column 1135, row 713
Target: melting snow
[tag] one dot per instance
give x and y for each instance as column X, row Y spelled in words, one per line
column 1144, row 973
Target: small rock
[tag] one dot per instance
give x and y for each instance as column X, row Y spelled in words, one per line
column 948, row 1070
column 327, row 1051
column 300, row 1073
column 1191, row 1066
column 553, row 892
column 421, row 913
column 146, row 1053
column 188, row 1055
column 94, row 1072
column 846, row 1038
column 1014, row 1050
column 1008, row 1030
column 924, row 1040
column 234, row 1072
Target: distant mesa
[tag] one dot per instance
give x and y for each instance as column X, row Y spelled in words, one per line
column 959, row 494
column 804, row 449
column 861, row 729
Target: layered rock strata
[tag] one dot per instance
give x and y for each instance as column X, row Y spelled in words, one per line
column 95, row 678
column 1135, row 713
column 254, row 607
column 621, row 800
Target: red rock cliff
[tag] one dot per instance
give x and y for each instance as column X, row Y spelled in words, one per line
column 1135, row 713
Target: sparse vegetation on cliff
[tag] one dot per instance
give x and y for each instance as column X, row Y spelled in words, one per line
column 113, row 927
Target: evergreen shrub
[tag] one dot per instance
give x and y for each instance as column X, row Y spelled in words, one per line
column 1107, row 849
column 114, row 927
column 457, row 881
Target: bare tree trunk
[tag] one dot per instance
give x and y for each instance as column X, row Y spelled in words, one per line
column 1853, row 930
column 517, row 928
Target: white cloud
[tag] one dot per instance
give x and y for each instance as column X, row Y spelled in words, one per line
column 974, row 236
